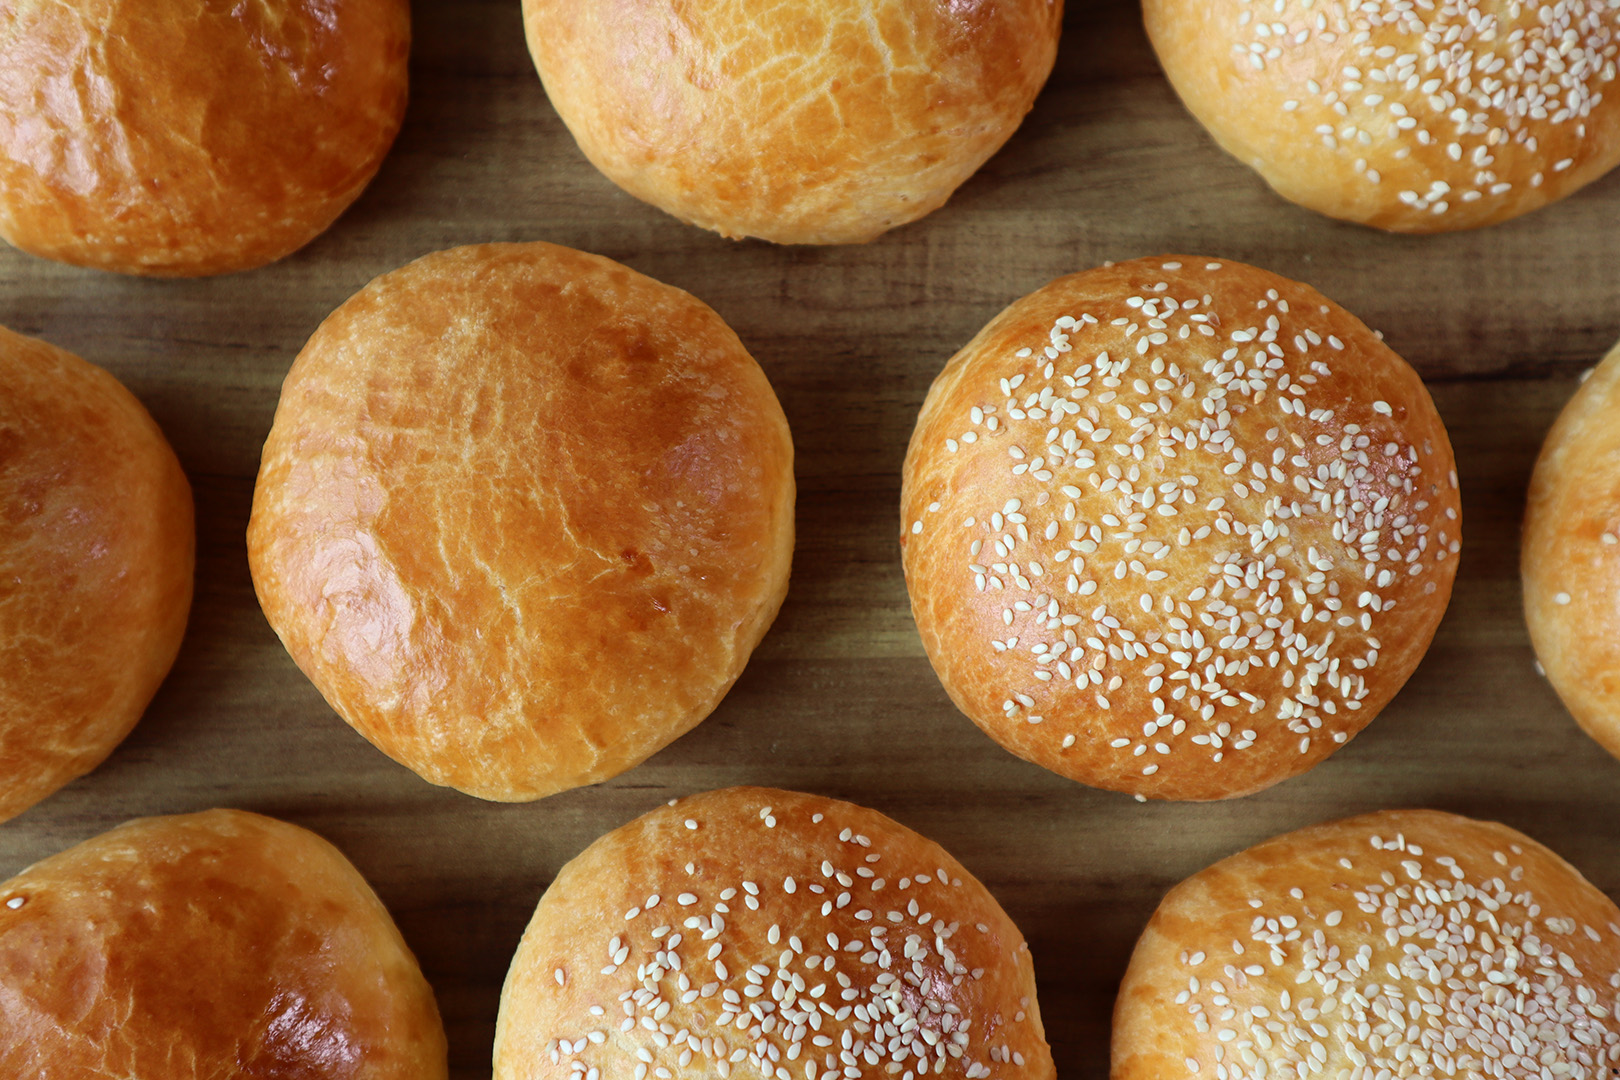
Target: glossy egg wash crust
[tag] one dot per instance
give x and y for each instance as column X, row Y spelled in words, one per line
column 1399, row 944
column 180, row 138
column 751, row 934
column 810, row 122
column 1411, row 115
column 1571, row 555
column 1177, row 527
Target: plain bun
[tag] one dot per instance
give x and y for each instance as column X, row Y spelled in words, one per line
column 1177, row 527
column 97, row 539
column 184, row 137
column 753, row 933
column 1413, row 117
column 523, row 516
column 1399, row 944
column 815, row 122
column 1571, row 556
column 208, row 945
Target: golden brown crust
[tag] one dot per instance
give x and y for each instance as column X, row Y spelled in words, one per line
column 1403, row 943
column 523, row 516
column 1177, row 527
column 1571, row 556
column 204, row 947
column 96, row 554
column 753, row 934
column 182, row 137
column 1413, row 117
column 819, row 122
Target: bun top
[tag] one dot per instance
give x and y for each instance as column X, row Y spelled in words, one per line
column 1403, row 943
column 208, row 945
column 748, row 932
column 523, row 515
column 814, row 122
column 186, row 137
column 1177, row 527
column 1417, row 117
column 1572, row 555
column 97, row 542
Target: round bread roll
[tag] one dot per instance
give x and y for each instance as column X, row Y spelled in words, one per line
column 97, row 542
column 187, row 137
column 1571, row 556
column 1409, row 116
column 220, row 944
column 1400, row 944
column 523, row 516
column 753, row 934
column 1177, row 528
column 816, row 122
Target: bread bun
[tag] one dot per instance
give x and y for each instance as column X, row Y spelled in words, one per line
column 815, row 122
column 208, row 945
column 1400, row 944
column 753, row 934
column 1571, row 557
column 186, row 137
column 1414, row 117
column 1176, row 527
column 96, row 537
column 523, row 516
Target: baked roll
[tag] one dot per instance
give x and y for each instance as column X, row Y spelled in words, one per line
column 208, row 945
column 1177, row 527
column 523, row 516
column 1414, row 117
column 750, row 934
column 1571, row 555
column 1403, row 943
column 188, row 137
column 97, row 546
column 815, row 122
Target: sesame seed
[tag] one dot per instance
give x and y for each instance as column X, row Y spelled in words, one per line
column 1138, row 553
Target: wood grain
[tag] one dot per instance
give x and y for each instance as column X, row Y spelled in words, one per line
column 839, row 699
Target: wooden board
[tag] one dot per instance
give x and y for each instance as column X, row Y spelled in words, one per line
column 839, row 699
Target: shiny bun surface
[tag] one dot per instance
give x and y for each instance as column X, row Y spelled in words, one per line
column 188, row 137
column 1177, row 527
column 523, row 515
column 96, row 555
column 205, row 946
column 1413, row 117
column 1403, row 943
column 815, row 122
column 748, row 933
column 1571, row 555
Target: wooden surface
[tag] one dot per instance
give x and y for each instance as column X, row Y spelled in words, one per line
column 839, row 699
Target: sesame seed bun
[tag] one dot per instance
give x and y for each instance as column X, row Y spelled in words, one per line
column 814, row 122
column 187, row 137
column 1413, row 117
column 97, row 540
column 752, row 934
column 1571, row 556
column 523, row 515
column 1177, row 527
column 208, row 945
column 1402, row 943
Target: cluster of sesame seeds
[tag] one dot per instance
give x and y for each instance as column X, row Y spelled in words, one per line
column 1471, row 82
column 1130, row 482
column 1409, row 966
column 875, row 990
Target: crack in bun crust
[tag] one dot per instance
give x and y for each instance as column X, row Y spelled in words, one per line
column 523, row 516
